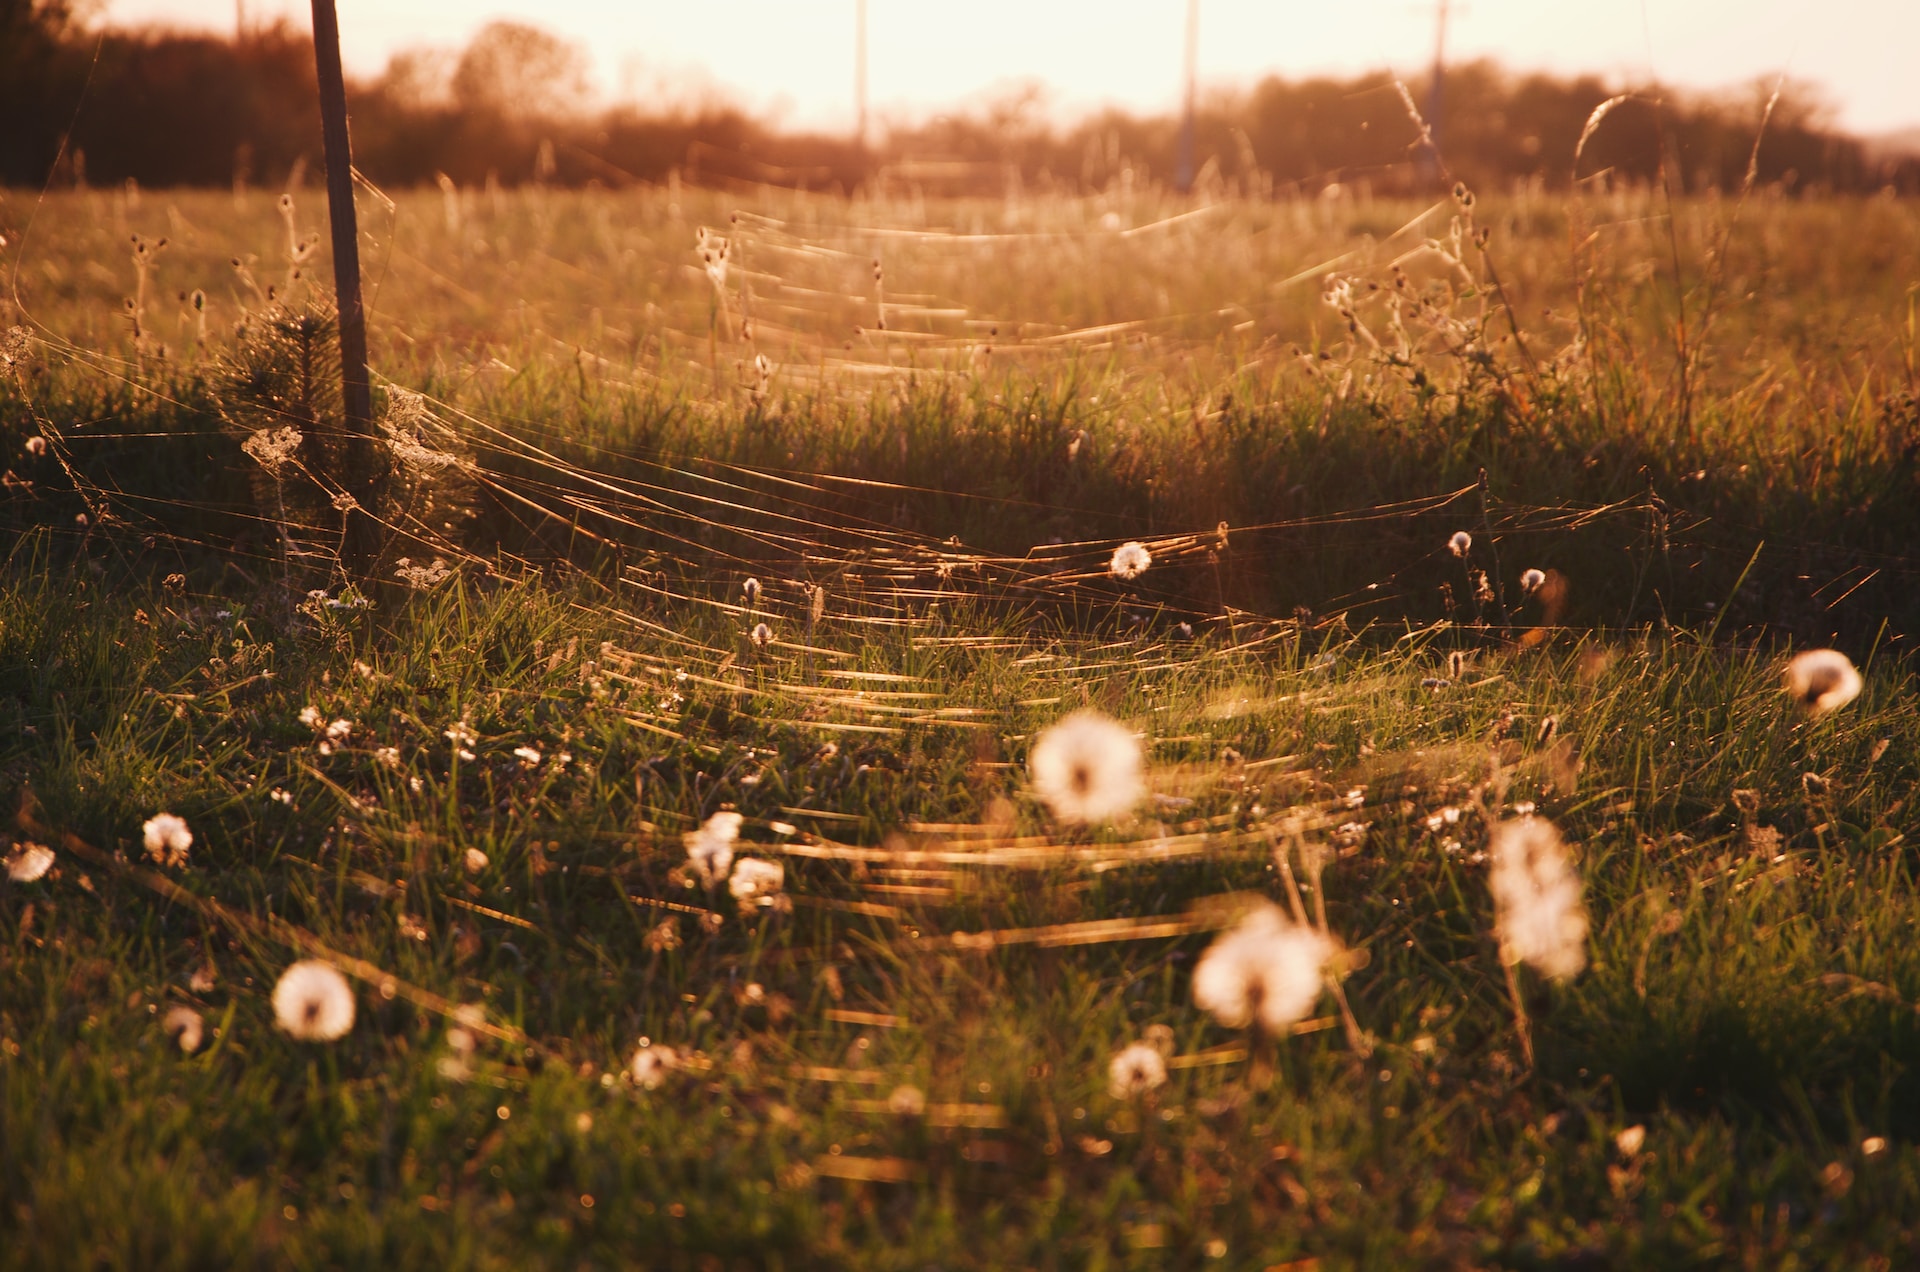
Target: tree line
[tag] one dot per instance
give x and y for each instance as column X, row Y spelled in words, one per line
column 167, row 108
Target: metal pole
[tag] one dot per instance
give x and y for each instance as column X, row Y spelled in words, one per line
column 360, row 543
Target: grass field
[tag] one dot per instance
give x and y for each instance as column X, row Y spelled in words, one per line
column 923, row 427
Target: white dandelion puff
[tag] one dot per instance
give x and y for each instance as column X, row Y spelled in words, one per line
column 907, row 1101
column 475, row 861
column 651, row 1065
column 1822, row 680
column 756, row 881
column 529, row 756
column 1460, row 544
column 167, row 839
column 1532, row 581
column 710, row 848
column 1268, row 969
column 185, row 1027
column 339, row 730
column 1087, row 768
column 1135, row 1070
column 761, row 636
column 30, row 862
column 751, row 589
column 313, row 1002
column 311, row 717
column 1130, row 561
column 1537, row 913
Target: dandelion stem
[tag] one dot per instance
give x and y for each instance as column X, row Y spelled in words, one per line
column 1520, row 1022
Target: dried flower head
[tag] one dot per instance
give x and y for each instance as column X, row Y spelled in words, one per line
column 1267, row 969
column 167, row 839
column 1536, row 898
column 757, row 881
column 1135, row 1070
column 29, row 862
column 1460, row 544
column 651, row 1065
column 313, row 1002
column 710, row 848
column 1130, row 561
column 185, row 1027
column 1087, row 768
column 1822, row 680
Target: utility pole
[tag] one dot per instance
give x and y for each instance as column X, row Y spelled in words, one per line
column 1436, row 92
column 1183, row 165
column 360, row 541
column 860, row 74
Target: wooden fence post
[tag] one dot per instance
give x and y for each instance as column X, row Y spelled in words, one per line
column 361, row 542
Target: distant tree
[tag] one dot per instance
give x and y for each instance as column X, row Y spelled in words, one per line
column 514, row 70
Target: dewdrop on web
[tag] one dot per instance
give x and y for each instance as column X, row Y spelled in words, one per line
column 1087, row 768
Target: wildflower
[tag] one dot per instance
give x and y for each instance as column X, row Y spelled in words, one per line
column 310, row 716
column 1087, row 768
column 650, row 1065
column 907, row 1101
column 529, row 756
column 710, row 848
column 1267, row 969
column 388, row 756
column 1130, row 561
column 1532, row 581
column 312, row 1002
column 36, row 445
column 1822, row 680
column 757, row 881
column 30, row 862
column 1536, row 897
column 1135, row 1070
column 281, row 795
column 475, row 861
column 762, row 636
column 203, row 979
column 167, row 839
column 1629, row 1141
column 460, row 734
column 1460, row 544
column 664, row 935
column 752, row 590
column 339, row 730
column 185, row 1027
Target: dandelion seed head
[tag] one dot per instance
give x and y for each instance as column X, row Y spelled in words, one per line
column 185, row 1027
column 475, row 861
column 1538, row 915
column 710, row 848
column 1460, row 544
column 651, row 1065
column 907, row 1101
column 1531, row 581
column 751, row 589
column 29, row 863
column 756, row 881
column 1135, row 1070
column 1822, row 680
column 167, row 839
column 1130, row 561
column 313, row 1002
column 1087, row 768
column 1267, row 969
column 36, row 445
column 762, row 636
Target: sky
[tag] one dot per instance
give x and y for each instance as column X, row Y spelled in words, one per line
column 794, row 59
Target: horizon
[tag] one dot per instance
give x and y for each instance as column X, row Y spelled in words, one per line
column 794, row 65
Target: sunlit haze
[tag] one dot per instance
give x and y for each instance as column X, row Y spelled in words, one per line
column 795, row 60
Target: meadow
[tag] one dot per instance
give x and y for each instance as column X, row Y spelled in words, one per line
column 1504, row 508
